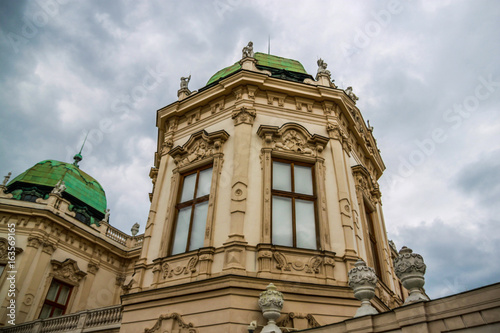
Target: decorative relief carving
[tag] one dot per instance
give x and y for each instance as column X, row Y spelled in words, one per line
column 217, row 105
column 365, row 184
column 200, row 145
column 292, row 138
column 168, row 271
column 300, row 102
column 171, row 323
column 67, row 271
column 34, row 242
column 244, row 115
column 289, row 320
column 271, row 96
column 4, row 250
column 238, row 93
column 312, row 266
column 49, row 248
column 252, row 90
column 92, row 267
column 28, row 299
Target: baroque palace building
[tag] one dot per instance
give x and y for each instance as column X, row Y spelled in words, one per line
column 265, row 175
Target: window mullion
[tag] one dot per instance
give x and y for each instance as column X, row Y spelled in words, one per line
column 294, row 228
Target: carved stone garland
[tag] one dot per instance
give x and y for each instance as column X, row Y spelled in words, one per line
column 171, row 323
column 200, row 145
column 67, row 271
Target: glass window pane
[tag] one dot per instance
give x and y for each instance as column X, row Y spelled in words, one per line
column 282, row 221
column 45, row 311
column 305, row 224
column 63, row 295
column 181, row 230
column 199, row 222
column 2, row 267
column 303, row 179
column 51, row 294
column 204, row 182
column 188, row 188
column 57, row 312
column 282, row 176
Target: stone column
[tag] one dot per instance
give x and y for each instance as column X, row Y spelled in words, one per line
column 31, row 295
column 345, row 200
column 92, row 269
column 235, row 252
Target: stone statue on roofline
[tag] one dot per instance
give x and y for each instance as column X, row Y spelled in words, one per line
column 106, row 215
column 6, row 179
column 59, row 188
column 351, row 94
column 247, row 51
column 185, row 82
column 135, row 229
column 322, row 67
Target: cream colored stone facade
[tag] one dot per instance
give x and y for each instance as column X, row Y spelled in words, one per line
column 238, row 126
column 241, row 124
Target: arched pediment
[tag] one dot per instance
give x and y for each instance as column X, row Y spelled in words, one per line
column 292, row 138
column 201, row 145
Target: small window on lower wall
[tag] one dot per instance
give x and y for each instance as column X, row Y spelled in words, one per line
column 56, row 302
column 293, row 205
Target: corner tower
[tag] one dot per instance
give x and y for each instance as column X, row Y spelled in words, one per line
column 266, row 174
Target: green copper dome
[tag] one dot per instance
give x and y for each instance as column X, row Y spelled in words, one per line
column 279, row 67
column 79, row 185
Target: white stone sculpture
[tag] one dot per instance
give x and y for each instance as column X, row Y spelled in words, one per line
column 106, row 215
column 247, row 51
column 135, row 229
column 6, row 179
column 59, row 188
column 322, row 67
column 351, row 95
column 410, row 269
column 362, row 280
column 185, row 82
column 271, row 303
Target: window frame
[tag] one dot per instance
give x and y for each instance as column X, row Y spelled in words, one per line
column 192, row 202
column 294, row 196
column 54, row 304
column 372, row 240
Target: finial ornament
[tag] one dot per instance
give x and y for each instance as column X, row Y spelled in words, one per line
column 6, row 179
column 247, row 51
column 362, row 280
column 410, row 269
column 271, row 303
column 351, row 95
column 78, row 157
column 135, row 229
column 59, row 188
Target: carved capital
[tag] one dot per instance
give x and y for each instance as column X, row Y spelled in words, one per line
column 34, row 241
column 49, row 248
column 244, row 116
column 92, row 267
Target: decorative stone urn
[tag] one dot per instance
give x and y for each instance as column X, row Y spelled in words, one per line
column 271, row 303
column 410, row 269
column 362, row 280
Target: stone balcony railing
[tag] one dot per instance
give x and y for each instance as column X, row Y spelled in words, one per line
column 98, row 320
column 121, row 237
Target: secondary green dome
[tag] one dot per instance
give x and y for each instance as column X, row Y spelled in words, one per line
column 284, row 68
column 43, row 176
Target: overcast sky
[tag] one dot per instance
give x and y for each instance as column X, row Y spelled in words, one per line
column 427, row 75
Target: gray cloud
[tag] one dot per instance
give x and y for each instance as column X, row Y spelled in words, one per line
column 85, row 65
